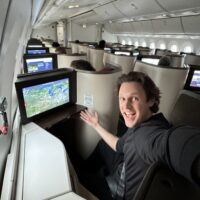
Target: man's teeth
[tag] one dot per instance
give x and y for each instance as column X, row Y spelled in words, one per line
column 129, row 114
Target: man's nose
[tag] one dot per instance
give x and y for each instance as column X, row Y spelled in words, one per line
column 128, row 104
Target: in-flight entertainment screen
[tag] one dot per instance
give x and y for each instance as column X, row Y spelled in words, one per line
column 42, row 97
column 42, row 93
column 39, row 64
column 195, row 82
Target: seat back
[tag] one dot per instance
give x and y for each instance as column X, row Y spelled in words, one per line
column 68, row 50
column 169, row 80
column 83, row 49
column 126, row 62
column 74, row 47
column 95, row 57
column 177, row 60
column 160, row 182
column 64, row 60
column 146, row 51
column 192, row 59
column 52, row 50
column 161, row 52
column 186, row 109
column 97, row 91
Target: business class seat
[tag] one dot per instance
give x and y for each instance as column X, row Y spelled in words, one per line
column 192, row 59
column 146, row 51
column 161, row 52
column 160, row 182
column 74, row 47
column 83, row 49
column 126, row 62
column 95, row 57
column 77, row 187
column 177, row 60
column 97, row 91
column 170, row 81
column 52, row 49
column 64, row 60
column 68, row 50
column 186, row 109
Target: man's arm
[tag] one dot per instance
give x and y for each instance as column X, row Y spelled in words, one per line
column 92, row 120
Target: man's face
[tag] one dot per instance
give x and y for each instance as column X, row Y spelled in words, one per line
column 133, row 104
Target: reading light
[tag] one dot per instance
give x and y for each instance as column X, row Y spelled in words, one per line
column 73, row 6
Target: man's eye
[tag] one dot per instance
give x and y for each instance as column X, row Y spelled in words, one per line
column 135, row 99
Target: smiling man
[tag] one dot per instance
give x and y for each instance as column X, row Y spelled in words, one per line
column 150, row 138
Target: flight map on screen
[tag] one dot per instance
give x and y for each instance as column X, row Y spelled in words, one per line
column 43, row 97
column 39, row 64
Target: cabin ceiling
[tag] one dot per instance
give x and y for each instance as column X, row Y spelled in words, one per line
column 92, row 12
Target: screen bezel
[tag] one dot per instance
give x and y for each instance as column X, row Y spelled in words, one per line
column 37, row 48
column 32, row 56
column 187, row 86
column 40, row 79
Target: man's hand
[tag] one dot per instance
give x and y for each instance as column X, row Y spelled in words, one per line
column 90, row 118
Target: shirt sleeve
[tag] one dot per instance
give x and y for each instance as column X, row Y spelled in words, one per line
column 151, row 144
column 177, row 147
column 184, row 148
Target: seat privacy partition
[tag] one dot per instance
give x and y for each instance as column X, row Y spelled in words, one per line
column 186, row 109
column 97, row 91
column 95, row 57
column 125, row 62
column 64, row 60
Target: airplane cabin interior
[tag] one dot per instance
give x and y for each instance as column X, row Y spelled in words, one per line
column 42, row 94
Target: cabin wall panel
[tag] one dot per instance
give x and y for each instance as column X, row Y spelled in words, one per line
column 181, row 42
column 47, row 32
column 108, row 37
column 88, row 34
column 3, row 11
column 12, row 42
column 112, row 28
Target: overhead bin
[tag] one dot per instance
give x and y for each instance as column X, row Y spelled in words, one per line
column 125, row 27
column 109, row 12
column 173, row 5
column 90, row 17
column 132, row 8
column 168, row 26
column 165, row 26
column 143, row 27
column 191, row 24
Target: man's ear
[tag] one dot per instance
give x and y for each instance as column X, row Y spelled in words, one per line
column 151, row 102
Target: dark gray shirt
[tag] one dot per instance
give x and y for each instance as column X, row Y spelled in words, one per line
column 155, row 140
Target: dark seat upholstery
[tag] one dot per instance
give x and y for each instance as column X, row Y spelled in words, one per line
column 160, row 183
column 186, row 109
